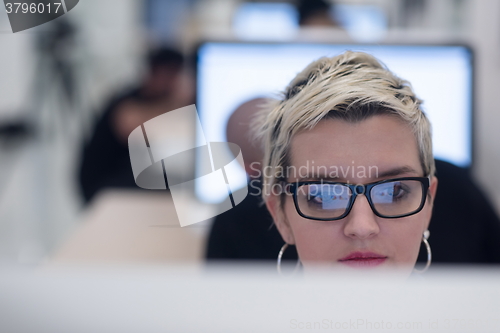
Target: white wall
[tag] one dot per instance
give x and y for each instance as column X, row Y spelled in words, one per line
column 16, row 64
column 39, row 200
column 485, row 35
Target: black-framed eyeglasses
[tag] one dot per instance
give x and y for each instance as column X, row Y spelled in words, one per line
column 330, row 201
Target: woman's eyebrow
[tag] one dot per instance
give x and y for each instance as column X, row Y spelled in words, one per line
column 396, row 171
column 314, row 177
column 375, row 175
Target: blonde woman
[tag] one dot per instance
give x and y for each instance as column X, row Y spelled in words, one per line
column 348, row 166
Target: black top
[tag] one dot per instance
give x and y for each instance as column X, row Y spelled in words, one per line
column 245, row 232
column 105, row 159
column 464, row 227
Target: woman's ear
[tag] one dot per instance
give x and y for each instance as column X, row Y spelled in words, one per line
column 433, row 188
column 432, row 195
column 276, row 210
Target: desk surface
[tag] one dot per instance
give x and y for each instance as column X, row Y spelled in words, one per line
column 133, row 227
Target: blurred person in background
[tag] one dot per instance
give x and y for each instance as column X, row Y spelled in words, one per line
column 237, row 131
column 105, row 161
column 247, row 230
column 315, row 13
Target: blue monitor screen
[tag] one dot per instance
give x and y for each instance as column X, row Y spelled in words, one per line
column 229, row 74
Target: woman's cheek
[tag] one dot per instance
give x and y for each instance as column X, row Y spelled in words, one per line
column 408, row 240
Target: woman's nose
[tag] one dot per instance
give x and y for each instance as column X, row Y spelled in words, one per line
column 361, row 221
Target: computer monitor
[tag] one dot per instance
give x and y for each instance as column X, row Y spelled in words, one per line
column 230, row 73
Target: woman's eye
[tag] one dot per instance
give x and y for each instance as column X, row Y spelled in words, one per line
column 317, row 199
column 397, row 191
column 393, row 192
column 401, row 191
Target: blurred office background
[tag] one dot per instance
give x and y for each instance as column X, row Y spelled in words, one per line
column 55, row 79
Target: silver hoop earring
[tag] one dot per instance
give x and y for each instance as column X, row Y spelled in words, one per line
column 425, row 237
column 280, row 255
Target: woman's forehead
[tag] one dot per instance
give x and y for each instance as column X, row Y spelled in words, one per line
column 379, row 142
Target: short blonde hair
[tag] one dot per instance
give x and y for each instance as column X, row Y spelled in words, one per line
column 352, row 86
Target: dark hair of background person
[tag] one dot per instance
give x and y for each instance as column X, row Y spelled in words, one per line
column 165, row 57
column 312, row 12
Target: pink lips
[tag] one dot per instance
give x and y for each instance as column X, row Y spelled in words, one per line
column 363, row 259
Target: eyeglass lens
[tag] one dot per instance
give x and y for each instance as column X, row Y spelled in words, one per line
column 328, row 201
